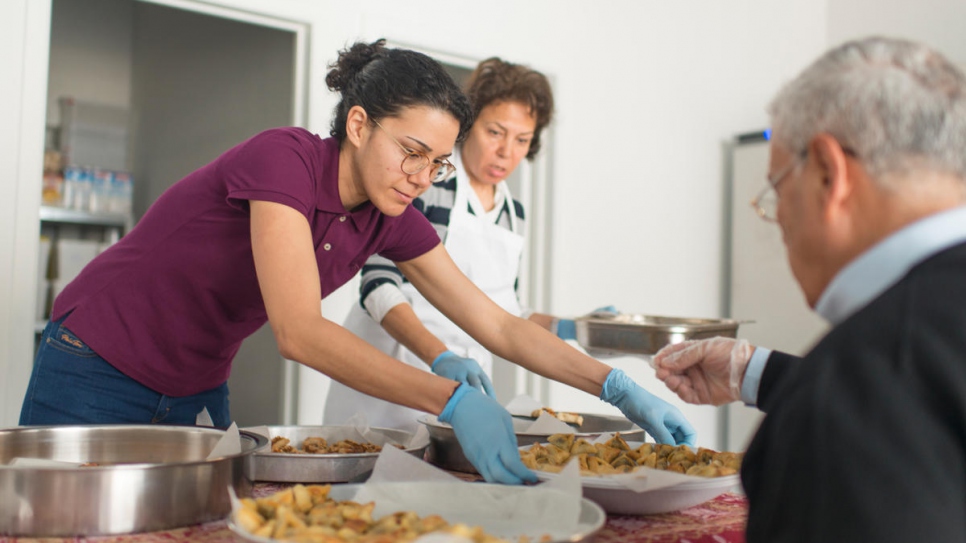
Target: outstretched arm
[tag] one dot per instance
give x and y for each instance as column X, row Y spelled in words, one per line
column 528, row 344
column 384, row 301
column 405, row 327
column 288, row 277
column 289, row 280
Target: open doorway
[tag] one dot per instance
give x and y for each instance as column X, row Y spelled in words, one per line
column 190, row 81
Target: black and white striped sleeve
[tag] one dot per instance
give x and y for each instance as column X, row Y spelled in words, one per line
column 379, row 290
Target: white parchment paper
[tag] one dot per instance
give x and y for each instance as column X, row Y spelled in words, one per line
column 401, row 482
column 551, row 509
column 524, row 406
column 229, row 444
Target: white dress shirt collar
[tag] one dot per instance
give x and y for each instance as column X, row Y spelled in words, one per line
column 882, row 266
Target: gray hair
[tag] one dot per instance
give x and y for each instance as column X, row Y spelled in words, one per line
column 898, row 105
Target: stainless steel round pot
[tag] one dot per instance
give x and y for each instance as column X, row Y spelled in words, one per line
column 147, row 478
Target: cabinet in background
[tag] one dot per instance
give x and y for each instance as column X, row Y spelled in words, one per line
column 69, row 239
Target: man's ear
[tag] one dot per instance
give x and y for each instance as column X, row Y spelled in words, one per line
column 356, row 122
column 832, row 163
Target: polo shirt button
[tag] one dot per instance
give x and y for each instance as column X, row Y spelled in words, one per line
column 327, row 246
column 342, row 218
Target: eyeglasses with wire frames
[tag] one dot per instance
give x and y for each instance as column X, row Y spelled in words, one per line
column 766, row 202
column 417, row 161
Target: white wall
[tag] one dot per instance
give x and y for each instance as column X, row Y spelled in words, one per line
column 24, row 38
column 938, row 23
column 647, row 92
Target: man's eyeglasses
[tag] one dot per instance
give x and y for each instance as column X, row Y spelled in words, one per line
column 766, row 202
column 417, row 161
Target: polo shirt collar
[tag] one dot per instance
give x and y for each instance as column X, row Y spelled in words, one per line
column 329, row 200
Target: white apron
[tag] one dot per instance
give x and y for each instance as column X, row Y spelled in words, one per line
column 489, row 255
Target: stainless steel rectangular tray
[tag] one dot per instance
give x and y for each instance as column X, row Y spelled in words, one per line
column 636, row 334
column 321, row 468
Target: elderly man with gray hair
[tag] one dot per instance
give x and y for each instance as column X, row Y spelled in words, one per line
column 865, row 437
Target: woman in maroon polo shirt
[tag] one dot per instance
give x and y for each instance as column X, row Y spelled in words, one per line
column 147, row 331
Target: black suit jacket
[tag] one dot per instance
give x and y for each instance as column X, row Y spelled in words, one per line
column 865, row 437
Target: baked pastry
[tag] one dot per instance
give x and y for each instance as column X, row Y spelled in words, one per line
column 565, row 416
column 307, row 514
column 318, row 445
column 616, row 456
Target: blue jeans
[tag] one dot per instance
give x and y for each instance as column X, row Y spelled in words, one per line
column 72, row 384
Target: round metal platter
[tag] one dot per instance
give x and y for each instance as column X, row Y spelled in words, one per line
column 321, row 468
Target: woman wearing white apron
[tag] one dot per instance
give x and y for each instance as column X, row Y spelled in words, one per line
column 482, row 229
column 489, row 255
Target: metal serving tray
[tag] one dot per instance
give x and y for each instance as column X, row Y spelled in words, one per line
column 445, row 451
column 149, row 478
column 322, row 468
column 635, row 334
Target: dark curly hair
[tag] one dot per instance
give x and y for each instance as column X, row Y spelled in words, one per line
column 383, row 81
column 495, row 80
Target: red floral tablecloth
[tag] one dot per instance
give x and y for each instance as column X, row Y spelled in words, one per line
column 721, row 520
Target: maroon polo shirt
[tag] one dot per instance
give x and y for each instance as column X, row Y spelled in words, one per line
column 171, row 302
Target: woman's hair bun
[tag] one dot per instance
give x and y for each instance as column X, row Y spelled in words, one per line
column 383, row 81
column 351, row 61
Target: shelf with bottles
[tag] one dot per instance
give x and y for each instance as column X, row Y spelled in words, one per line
column 69, row 240
column 90, row 191
column 54, row 214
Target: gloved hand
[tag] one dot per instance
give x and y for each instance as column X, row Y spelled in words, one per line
column 664, row 422
column 484, row 430
column 708, row 371
column 567, row 328
column 465, row 370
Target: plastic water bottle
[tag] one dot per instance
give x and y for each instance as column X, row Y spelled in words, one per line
column 74, row 187
column 102, row 182
column 122, row 193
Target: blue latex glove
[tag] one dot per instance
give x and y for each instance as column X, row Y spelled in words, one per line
column 465, row 370
column 567, row 328
column 664, row 422
column 485, row 432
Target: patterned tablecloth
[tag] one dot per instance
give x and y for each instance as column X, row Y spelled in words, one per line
column 721, row 520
